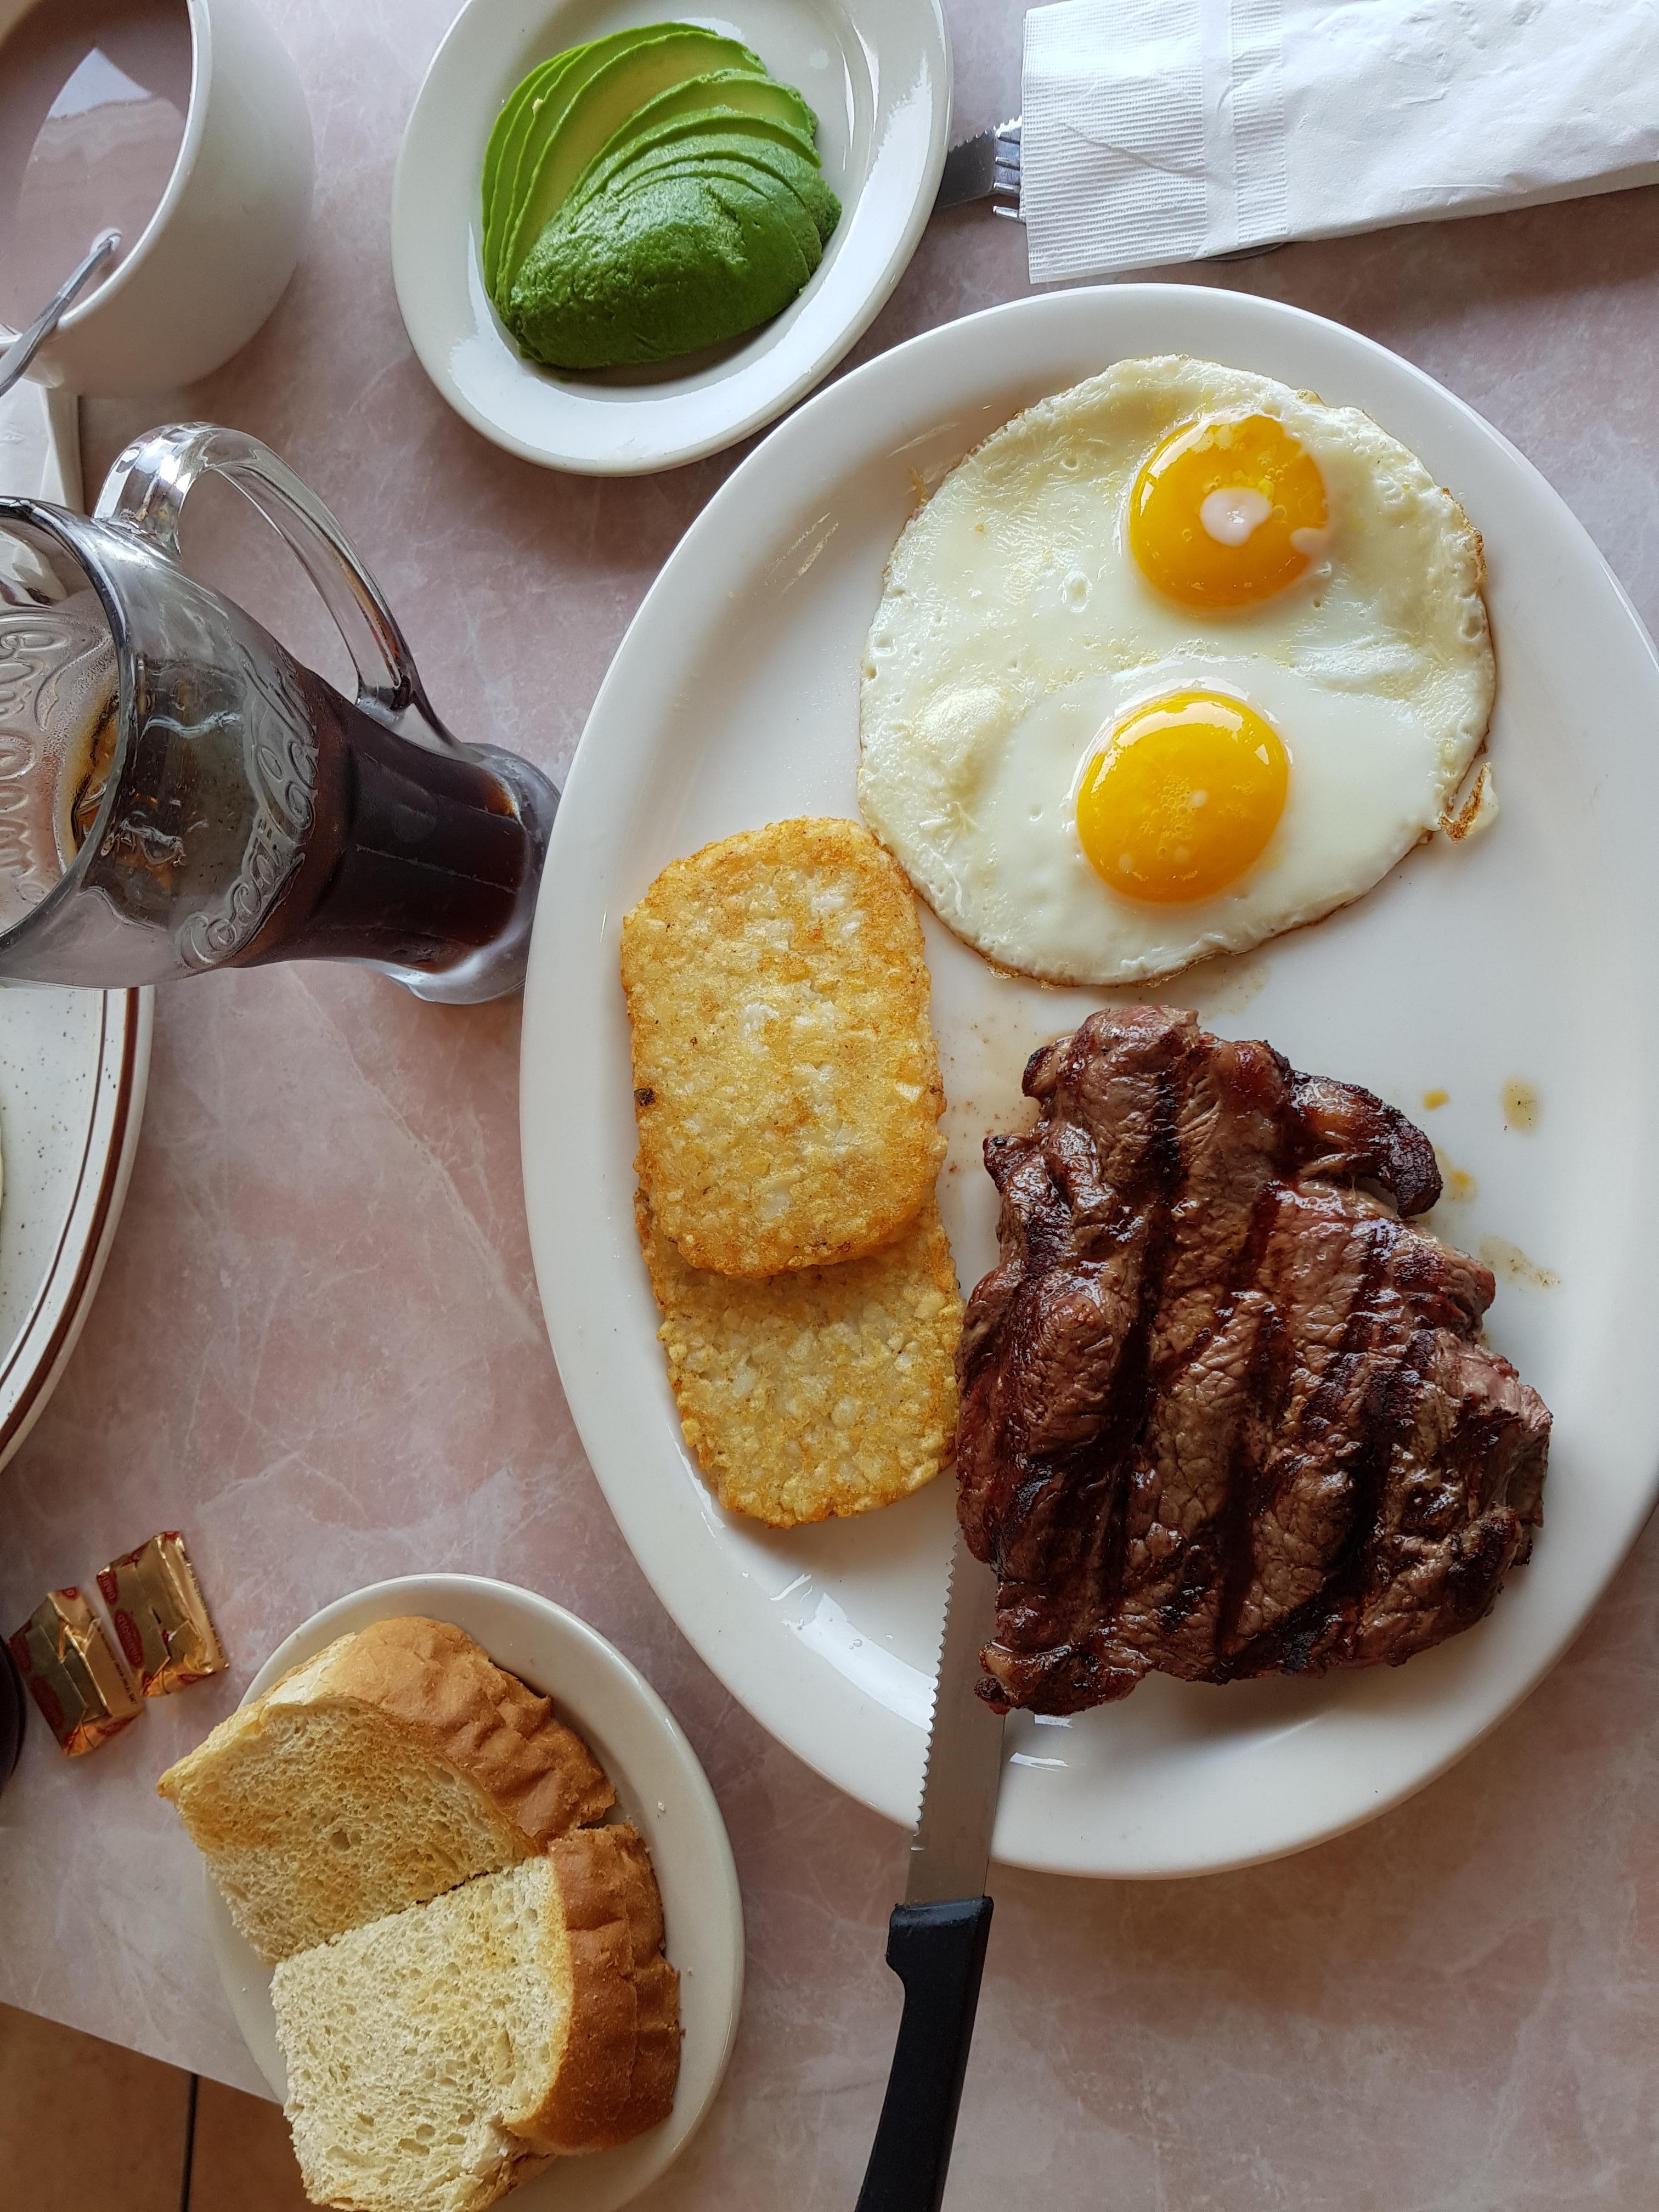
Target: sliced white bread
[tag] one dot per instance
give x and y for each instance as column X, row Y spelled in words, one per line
column 436, row 2057
column 606, row 1883
column 392, row 1766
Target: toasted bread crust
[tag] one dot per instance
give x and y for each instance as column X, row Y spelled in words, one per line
column 656, row 2049
column 609, row 2087
column 657, row 1991
column 591, row 2081
column 435, row 1683
column 640, row 1898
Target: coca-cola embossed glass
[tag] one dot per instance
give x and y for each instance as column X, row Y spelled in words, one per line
column 177, row 792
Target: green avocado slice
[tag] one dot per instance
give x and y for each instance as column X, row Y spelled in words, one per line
column 722, row 92
column 506, row 140
column 510, row 118
column 705, row 130
column 771, row 174
column 683, row 145
column 519, row 112
column 589, row 103
column 681, row 263
column 791, row 204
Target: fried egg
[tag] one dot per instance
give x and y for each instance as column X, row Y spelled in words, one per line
column 1174, row 661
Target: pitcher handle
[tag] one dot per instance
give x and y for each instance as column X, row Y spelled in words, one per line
column 145, row 491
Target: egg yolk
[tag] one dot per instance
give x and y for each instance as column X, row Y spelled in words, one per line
column 1184, row 798
column 1228, row 510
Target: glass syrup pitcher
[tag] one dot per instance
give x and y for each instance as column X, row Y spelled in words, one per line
column 177, row 792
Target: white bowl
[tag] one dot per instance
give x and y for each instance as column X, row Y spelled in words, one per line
column 878, row 74
column 660, row 1788
column 214, row 257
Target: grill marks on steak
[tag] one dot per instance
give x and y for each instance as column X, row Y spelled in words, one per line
column 1224, row 1413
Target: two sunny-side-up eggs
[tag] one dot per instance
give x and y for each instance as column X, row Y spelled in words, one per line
column 1175, row 660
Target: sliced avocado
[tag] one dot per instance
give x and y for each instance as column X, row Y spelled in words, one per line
column 704, row 131
column 723, row 92
column 512, row 108
column 761, row 167
column 759, row 147
column 501, row 154
column 792, row 207
column 512, row 126
column 589, row 103
column 681, row 263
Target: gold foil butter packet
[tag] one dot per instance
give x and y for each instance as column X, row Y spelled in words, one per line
column 160, row 1618
column 64, row 1659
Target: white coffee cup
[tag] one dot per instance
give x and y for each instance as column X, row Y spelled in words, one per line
column 214, row 259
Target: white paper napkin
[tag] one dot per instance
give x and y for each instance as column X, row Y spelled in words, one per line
column 40, row 444
column 1164, row 131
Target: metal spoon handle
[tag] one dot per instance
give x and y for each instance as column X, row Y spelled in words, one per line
column 23, row 347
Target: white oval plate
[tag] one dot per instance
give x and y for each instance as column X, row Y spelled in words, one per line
column 878, row 74
column 74, row 1064
column 1527, row 954
column 660, row 1788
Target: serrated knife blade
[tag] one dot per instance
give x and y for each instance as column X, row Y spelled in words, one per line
column 936, row 1938
column 950, row 1849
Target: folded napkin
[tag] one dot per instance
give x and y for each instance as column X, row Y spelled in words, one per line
column 1162, row 130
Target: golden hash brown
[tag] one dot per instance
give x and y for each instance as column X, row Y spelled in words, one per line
column 785, row 1074
column 830, row 1390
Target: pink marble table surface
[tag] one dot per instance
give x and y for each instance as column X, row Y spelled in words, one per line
column 318, row 1350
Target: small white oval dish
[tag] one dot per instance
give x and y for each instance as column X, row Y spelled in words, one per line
column 878, row 72
column 660, row 1788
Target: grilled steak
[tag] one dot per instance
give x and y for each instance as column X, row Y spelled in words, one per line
column 1224, row 1413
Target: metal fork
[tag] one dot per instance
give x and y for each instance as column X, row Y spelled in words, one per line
column 984, row 167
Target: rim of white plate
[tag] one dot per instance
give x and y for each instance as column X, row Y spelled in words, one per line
column 31, row 1368
column 589, row 1273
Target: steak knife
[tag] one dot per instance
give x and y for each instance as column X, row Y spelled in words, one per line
column 936, row 1938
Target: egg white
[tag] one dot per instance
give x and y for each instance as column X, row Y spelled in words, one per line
column 1015, row 627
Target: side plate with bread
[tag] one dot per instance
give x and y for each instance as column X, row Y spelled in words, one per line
column 608, row 1738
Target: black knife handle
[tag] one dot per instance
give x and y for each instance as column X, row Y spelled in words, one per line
column 938, row 1951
